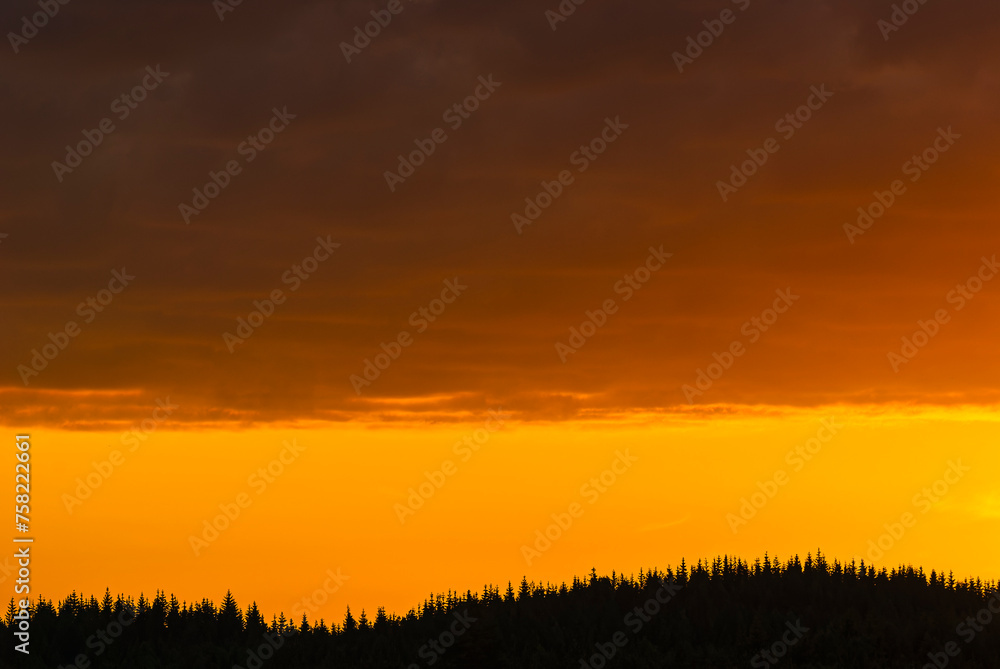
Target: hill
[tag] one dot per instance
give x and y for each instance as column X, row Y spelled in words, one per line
column 718, row 614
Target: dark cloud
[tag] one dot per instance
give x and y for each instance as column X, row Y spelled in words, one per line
column 656, row 184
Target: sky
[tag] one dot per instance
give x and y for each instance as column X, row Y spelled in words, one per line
column 693, row 229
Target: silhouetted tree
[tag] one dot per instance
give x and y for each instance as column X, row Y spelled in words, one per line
column 349, row 624
column 720, row 612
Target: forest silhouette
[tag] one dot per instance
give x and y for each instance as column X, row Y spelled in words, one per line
column 721, row 613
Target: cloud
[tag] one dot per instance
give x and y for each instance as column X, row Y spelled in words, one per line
column 657, row 184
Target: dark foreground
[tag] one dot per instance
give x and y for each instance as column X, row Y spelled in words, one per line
column 727, row 613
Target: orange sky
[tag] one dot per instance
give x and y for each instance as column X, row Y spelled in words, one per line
column 636, row 309
column 672, row 483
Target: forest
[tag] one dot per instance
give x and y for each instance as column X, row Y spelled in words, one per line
column 722, row 613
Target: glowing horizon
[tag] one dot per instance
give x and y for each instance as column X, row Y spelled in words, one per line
column 473, row 528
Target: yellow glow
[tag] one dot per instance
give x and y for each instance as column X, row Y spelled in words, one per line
column 333, row 507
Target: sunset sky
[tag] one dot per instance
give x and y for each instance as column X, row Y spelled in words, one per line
column 575, row 255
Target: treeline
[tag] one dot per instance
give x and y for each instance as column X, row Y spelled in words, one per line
column 718, row 614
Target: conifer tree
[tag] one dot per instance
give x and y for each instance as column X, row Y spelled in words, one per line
column 255, row 625
column 229, row 615
column 107, row 602
column 11, row 612
column 349, row 623
column 524, row 592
